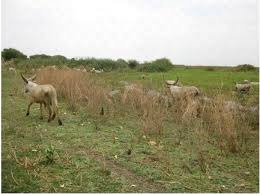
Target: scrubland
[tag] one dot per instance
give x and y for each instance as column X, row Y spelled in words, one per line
column 132, row 140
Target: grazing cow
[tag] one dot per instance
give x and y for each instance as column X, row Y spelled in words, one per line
column 182, row 91
column 243, row 87
column 43, row 94
column 173, row 83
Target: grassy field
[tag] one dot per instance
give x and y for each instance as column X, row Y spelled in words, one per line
column 208, row 81
column 111, row 154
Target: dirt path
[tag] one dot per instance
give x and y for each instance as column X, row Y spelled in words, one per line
column 140, row 183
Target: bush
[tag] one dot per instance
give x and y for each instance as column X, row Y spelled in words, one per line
column 159, row 65
column 132, row 64
column 245, row 67
column 38, row 62
column 106, row 64
column 210, row 69
column 11, row 53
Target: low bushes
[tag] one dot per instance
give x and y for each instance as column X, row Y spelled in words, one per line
column 159, row 65
column 245, row 67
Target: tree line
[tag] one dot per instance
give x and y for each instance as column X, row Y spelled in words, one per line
column 22, row 60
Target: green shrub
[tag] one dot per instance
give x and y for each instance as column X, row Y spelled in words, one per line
column 49, row 153
column 244, row 67
column 159, row 65
column 210, row 69
column 9, row 54
column 105, row 64
column 132, row 64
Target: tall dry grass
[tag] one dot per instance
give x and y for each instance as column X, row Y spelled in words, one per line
column 228, row 124
column 230, row 127
column 78, row 88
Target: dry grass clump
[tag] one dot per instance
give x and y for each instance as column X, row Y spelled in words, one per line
column 152, row 114
column 150, row 107
column 226, row 121
column 77, row 87
column 132, row 96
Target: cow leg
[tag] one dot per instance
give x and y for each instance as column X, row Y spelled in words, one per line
column 49, row 109
column 28, row 109
column 41, row 111
column 53, row 116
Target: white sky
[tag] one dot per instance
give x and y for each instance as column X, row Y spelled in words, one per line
column 192, row 32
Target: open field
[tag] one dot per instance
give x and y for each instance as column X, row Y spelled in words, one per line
column 208, row 81
column 113, row 152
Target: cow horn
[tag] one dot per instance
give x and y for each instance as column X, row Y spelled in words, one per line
column 24, row 79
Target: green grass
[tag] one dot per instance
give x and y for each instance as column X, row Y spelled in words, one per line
column 207, row 81
column 90, row 159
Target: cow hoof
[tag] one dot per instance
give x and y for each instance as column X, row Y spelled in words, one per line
column 49, row 120
column 27, row 114
column 41, row 118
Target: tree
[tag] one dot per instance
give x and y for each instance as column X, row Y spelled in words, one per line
column 158, row 65
column 132, row 64
column 11, row 53
column 162, row 61
column 121, row 63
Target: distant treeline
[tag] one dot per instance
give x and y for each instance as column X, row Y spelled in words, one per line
column 19, row 59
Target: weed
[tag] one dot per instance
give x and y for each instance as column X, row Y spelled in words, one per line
column 49, row 154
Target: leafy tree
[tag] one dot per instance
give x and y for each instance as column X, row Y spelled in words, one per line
column 11, row 53
column 121, row 63
column 159, row 65
column 162, row 61
column 132, row 64
column 244, row 67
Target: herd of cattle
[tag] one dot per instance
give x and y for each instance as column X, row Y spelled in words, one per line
column 178, row 91
column 46, row 94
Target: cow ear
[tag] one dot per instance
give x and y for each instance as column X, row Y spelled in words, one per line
column 24, row 79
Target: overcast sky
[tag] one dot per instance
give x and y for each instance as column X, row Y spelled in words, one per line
column 193, row 32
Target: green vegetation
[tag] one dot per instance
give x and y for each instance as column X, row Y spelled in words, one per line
column 128, row 143
column 49, row 154
column 9, row 54
column 245, row 67
column 159, row 65
column 209, row 82
column 132, row 64
column 92, row 151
